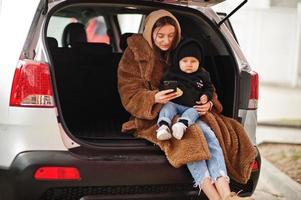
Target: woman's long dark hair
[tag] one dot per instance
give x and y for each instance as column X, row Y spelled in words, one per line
column 160, row 23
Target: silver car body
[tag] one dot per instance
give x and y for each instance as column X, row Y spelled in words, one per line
column 29, row 129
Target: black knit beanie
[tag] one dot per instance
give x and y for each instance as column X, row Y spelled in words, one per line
column 191, row 49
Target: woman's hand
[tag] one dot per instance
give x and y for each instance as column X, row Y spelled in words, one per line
column 164, row 96
column 202, row 108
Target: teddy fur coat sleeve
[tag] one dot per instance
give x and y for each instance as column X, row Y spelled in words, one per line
column 135, row 97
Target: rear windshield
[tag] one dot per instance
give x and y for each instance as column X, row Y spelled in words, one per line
column 86, row 43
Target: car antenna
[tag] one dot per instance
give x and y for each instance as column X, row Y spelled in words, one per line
column 231, row 13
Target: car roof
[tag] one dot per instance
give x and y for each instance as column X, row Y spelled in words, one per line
column 189, row 3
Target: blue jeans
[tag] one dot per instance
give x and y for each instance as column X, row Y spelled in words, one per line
column 213, row 168
column 170, row 109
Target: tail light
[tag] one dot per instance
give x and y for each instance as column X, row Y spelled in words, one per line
column 31, row 85
column 57, row 173
column 254, row 83
column 254, row 165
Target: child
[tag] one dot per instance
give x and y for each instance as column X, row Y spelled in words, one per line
column 193, row 82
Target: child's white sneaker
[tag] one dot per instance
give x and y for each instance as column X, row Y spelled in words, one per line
column 163, row 133
column 178, row 130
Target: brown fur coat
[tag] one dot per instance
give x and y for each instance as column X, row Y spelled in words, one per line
column 138, row 83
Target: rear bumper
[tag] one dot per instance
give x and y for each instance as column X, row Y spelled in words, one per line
column 147, row 178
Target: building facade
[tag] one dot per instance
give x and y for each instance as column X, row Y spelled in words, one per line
column 269, row 31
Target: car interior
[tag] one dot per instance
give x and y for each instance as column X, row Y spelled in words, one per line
column 85, row 70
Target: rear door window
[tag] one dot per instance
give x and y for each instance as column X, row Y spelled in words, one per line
column 56, row 27
column 96, row 29
column 133, row 27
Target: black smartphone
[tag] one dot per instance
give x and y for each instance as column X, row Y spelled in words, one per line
column 170, row 85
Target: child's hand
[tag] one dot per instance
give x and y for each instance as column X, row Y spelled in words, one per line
column 204, row 99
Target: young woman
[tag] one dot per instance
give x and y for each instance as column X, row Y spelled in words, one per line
column 144, row 61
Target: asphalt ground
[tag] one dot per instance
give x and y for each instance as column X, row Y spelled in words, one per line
column 273, row 183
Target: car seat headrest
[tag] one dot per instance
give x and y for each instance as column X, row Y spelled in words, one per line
column 52, row 42
column 123, row 40
column 74, row 33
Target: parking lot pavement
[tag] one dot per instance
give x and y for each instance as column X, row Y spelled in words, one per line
column 265, row 192
column 274, row 184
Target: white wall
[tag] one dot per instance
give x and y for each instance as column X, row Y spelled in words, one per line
column 270, row 39
column 0, row 6
column 298, row 82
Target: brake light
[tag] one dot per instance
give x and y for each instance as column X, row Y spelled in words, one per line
column 31, row 85
column 254, row 86
column 57, row 173
column 254, row 166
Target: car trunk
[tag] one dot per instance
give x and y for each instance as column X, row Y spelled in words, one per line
column 86, row 76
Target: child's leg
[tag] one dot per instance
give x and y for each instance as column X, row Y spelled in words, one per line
column 188, row 117
column 167, row 112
